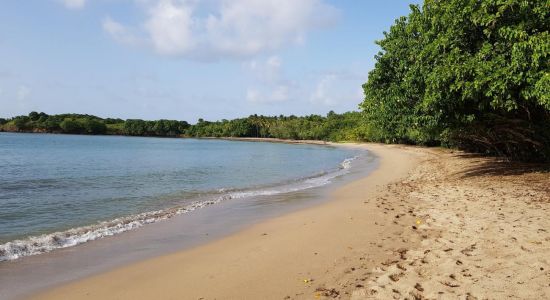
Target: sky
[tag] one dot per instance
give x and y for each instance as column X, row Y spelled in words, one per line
column 188, row 59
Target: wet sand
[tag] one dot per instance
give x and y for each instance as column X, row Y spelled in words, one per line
column 427, row 224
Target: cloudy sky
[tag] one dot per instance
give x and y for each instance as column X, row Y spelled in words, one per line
column 188, row 59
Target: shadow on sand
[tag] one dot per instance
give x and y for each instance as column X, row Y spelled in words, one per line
column 491, row 166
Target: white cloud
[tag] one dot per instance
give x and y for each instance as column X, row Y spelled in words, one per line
column 322, row 92
column 275, row 94
column 223, row 29
column 170, row 27
column 73, row 4
column 252, row 95
column 270, row 84
column 268, row 71
column 23, row 92
column 119, row 32
column 337, row 88
column 280, row 94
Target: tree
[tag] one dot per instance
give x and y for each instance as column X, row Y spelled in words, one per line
column 472, row 74
column 21, row 122
column 34, row 116
column 93, row 126
column 71, row 126
column 135, row 127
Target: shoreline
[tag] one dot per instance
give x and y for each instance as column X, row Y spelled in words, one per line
column 144, row 218
column 243, row 139
column 277, row 140
column 428, row 223
column 35, row 273
column 263, row 242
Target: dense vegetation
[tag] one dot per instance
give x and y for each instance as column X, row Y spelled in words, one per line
column 88, row 124
column 333, row 127
column 466, row 73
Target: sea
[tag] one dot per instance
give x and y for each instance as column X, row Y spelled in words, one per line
column 60, row 191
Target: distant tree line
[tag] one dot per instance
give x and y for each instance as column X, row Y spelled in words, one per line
column 349, row 126
column 88, row 124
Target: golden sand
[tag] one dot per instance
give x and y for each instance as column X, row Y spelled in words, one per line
column 425, row 224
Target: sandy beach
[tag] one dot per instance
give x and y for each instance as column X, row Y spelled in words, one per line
column 427, row 224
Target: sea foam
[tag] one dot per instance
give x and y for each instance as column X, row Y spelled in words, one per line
column 34, row 245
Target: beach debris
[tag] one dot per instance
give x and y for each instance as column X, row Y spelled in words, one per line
column 395, row 277
column 418, row 222
column 402, row 253
column 416, row 295
column 419, row 287
column 389, row 262
column 470, row 297
column 468, row 251
column 308, row 280
column 449, row 284
column 333, row 293
column 525, row 249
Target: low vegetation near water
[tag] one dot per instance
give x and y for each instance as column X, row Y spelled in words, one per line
column 334, row 127
column 470, row 74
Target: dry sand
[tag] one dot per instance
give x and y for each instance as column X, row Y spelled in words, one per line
column 426, row 224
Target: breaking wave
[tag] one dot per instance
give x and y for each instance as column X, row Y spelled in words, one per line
column 48, row 242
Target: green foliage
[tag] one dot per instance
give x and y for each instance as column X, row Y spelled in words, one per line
column 349, row 126
column 154, row 128
column 93, row 126
column 468, row 73
column 115, row 128
column 88, row 124
column 21, row 123
column 71, row 126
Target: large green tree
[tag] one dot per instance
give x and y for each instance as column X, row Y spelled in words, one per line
column 469, row 73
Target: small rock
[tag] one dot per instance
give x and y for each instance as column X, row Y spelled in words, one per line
column 396, row 277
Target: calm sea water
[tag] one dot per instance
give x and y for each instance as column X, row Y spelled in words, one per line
column 58, row 191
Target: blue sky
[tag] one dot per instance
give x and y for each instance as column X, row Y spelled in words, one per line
column 188, row 59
